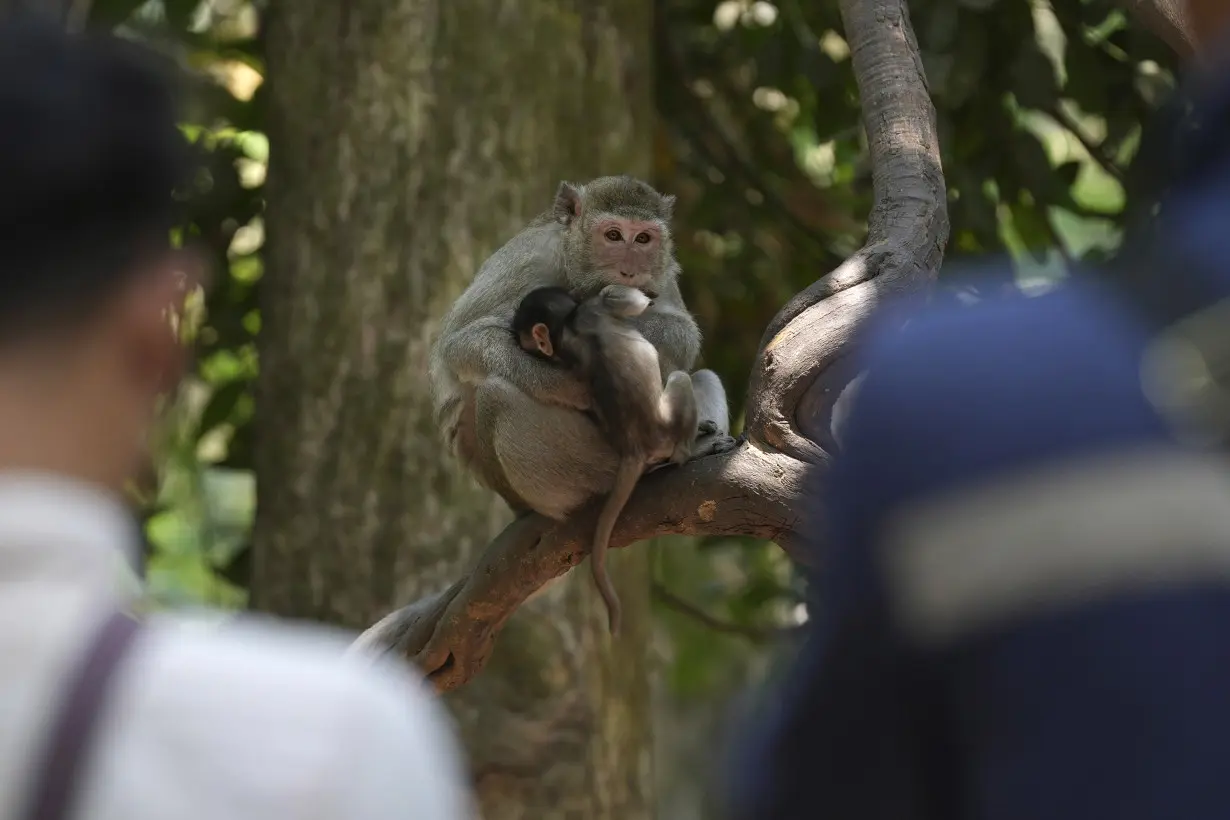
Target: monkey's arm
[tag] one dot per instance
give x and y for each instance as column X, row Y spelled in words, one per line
column 486, row 347
column 668, row 326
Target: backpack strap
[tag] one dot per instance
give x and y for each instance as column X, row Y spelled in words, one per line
column 59, row 770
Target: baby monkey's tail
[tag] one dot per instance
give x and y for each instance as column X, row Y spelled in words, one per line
column 630, row 470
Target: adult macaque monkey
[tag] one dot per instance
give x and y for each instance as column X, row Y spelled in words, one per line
column 520, row 423
column 645, row 422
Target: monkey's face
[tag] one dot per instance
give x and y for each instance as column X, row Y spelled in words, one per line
column 623, row 251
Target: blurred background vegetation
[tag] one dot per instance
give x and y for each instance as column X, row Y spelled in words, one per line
column 1039, row 107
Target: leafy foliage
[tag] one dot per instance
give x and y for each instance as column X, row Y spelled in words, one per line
column 197, row 524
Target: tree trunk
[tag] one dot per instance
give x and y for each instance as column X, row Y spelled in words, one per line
column 411, row 138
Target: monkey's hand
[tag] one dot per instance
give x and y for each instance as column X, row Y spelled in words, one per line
column 623, row 301
column 667, row 325
column 488, row 348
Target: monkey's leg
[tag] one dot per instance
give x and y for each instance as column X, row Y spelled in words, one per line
column 553, row 458
column 713, row 432
column 677, row 412
column 711, row 403
column 475, row 447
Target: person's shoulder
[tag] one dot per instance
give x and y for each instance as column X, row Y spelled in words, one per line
column 317, row 719
column 1063, row 363
column 1081, row 315
column 955, row 395
column 262, row 654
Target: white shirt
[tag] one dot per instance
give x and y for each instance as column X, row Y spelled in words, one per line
column 253, row 719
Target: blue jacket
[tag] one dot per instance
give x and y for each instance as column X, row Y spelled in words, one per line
column 1025, row 612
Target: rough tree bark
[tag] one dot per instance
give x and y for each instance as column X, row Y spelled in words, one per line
column 410, row 138
column 1166, row 19
column 763, row 486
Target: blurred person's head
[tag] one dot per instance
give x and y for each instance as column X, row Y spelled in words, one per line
column 1209, row 21
column 89, row 157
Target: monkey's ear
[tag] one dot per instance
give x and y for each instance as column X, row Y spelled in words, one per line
column 567, row 203
column 542, row 338
column 668, row 205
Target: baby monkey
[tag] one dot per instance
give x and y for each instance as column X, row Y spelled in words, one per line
column 644, row 422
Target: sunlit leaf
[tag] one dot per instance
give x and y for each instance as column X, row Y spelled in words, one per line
column 221, row 406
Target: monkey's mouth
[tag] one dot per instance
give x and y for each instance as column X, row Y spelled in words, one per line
column 632, row 280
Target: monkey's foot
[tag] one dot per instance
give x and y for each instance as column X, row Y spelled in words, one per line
column 706, row 428
column 714, row 444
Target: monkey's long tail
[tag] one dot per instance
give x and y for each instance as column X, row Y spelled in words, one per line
column 630, row 469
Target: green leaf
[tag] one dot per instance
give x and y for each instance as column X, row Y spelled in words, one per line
column 180, row 12
column 110, row 13
column 1119, row 127
column 1032, row 228
column 1033, row 78
column 975, row 210
column 239, row 448
column 1033, row 161
column 968, row 73
column 237, row 569
column 941, row 28
column 1068, row 172
column 220, row 407
column 1086, row 82
column 938, row 68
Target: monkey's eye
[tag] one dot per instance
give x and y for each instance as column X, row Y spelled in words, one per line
column 614, row 235
column 642, row 238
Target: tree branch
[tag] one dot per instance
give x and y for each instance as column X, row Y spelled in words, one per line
column 765, row 486
column 742, row 492
column 756, row 634
column 907, row 232
column 1166, row 19
column 1096, row 151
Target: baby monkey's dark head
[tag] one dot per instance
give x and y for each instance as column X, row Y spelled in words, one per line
column 541, row 318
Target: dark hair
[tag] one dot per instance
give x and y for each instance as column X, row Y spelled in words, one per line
column 549, row 305
column 89, row 157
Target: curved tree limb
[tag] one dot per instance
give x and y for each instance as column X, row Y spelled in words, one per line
column 907, row 231
column 450, row 635
column 765, row 486
column 756, row 634
column 1166, row 19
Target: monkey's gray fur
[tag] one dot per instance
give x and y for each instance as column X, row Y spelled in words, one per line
column 520, row 424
